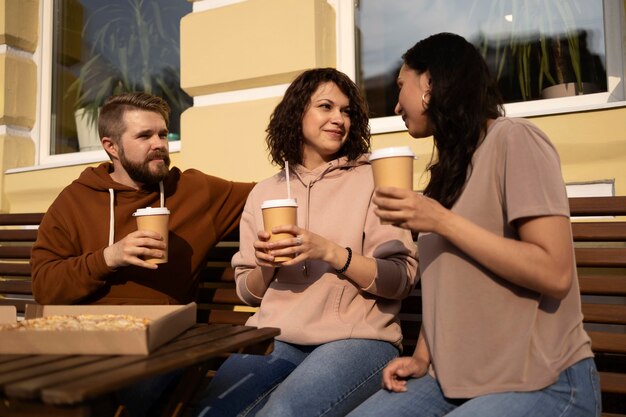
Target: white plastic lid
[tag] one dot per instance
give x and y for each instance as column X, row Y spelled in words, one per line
column 151, row 211
column 392, row 151
column 286, row 202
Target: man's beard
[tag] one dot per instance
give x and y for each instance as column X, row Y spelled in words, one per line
column 140, row 171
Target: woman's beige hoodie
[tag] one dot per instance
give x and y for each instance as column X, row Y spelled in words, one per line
column 319, row 305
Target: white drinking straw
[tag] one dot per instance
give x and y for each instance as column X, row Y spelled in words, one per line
column 162, row 194
column 288, row 182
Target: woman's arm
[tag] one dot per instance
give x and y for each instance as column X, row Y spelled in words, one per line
column 361, row 269
column 400, row 369
column 541, row 260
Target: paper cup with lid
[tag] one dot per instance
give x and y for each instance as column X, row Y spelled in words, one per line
column 278, row 213
column 155, row 219
column 393, row 167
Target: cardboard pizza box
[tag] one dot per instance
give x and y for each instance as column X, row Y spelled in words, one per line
column 7, row 314
column 166, row 322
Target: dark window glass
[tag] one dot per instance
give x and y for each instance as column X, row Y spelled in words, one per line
column 536, row 49
column 107, row 47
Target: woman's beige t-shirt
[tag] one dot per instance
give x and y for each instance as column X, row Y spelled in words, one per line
column 485, row 334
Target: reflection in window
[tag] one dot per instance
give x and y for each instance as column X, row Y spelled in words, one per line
column 535, row 48
column 103, row 48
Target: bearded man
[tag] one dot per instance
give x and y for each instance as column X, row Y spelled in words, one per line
column 88, row 249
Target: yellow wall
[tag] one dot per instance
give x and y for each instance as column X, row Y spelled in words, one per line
column 592, row 146
column 249, row 45
column 19, row 23
column 19, row 31
column 232, row 144
column 254, row 43
column 228, row 139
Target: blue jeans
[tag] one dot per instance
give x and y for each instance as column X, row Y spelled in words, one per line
column 326, row 380
column 575, row 394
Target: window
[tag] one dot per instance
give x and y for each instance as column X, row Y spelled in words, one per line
column 102, row 48
column 532, row 47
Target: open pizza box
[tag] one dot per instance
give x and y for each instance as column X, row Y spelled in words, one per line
column 7, row 314
column 165, row 323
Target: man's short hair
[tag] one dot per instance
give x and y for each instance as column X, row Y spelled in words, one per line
column 111, row 118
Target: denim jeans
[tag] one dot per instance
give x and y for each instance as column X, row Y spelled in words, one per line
column 326, row 380
column 575, row 394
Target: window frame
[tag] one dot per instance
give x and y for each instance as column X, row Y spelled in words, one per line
column 615, row 32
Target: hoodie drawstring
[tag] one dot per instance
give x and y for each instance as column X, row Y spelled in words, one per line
column 112, row 210
column 111, row 217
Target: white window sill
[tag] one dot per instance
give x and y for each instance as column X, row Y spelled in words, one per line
column 538, row 108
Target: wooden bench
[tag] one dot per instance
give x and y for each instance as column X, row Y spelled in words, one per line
column 600, row 245
column 18, row 232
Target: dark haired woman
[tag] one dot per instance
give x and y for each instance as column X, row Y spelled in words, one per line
column 502, row 328
column 336, row 301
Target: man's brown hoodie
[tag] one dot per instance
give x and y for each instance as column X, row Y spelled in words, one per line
column 68, row 256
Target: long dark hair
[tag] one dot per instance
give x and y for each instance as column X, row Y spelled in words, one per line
column 284, row 132
column 463, row 96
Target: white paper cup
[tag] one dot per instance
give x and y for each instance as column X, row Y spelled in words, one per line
column 155, row 219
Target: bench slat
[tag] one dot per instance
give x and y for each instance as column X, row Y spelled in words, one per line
column 16, row 286
column 20, row 219
column 613, row 382
column 602, row 284
column 604, row 313
column 14, row 252
column 18, row 235
column 598, row 206
column 218, row 274
column 226, row 296
column 608, row 342
column 601, row 257
column 228, row 317
column 599, row 231
column 15, row 269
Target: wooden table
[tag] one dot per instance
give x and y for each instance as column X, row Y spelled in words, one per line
column 79, row 385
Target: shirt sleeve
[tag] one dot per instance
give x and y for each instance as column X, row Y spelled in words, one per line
column 61, row 274
column 244, row 261
column 395, row 254
column 228, row 202
column 533, row 183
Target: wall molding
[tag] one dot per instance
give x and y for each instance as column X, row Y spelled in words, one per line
column 238, row 96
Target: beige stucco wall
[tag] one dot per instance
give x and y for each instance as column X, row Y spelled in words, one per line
column 19, row 94
column 254, row 43
column 19, row 23
column 229, row 139
column 19, row 31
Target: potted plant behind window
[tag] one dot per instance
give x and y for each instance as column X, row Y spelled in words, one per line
column 131, row 45
column 540, row 47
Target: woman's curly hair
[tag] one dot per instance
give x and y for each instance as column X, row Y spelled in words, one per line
column 284, row 132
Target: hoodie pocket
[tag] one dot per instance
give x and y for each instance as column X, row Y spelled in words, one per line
column 304, row 313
